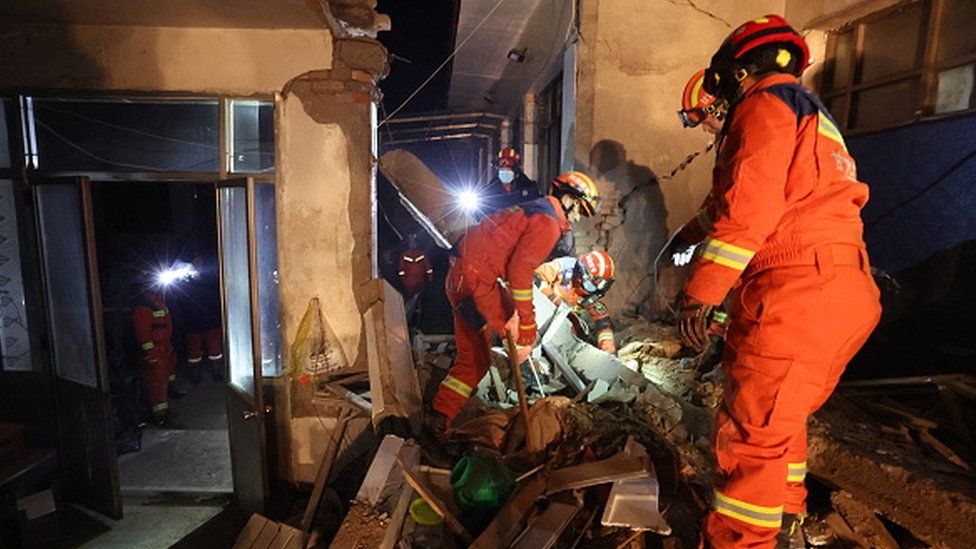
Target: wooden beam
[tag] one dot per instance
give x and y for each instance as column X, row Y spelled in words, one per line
column 418, row 483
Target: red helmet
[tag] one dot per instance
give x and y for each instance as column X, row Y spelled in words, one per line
column 769, row 29
column 581, row 186
column 727, row 63
column 697, row 104
column 594, row 273
column 508, row 158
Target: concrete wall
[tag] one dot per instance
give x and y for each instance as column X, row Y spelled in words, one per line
column 633, row 62
column 196, row 60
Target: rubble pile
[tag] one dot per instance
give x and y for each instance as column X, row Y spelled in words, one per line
column 614, row 452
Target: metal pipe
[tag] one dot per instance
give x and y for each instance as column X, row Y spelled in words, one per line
column 413, row 119
column 449, row 127
column 438, row 138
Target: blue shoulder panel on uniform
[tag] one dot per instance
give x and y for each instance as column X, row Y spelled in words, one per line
column 538, row 206
column 799, row 100
column 795, row 97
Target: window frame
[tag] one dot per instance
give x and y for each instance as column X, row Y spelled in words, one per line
column 927, row 71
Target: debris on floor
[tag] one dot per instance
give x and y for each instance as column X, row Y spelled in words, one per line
column 613, row 451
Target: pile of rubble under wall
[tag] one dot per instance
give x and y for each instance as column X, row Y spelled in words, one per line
column 600, row 430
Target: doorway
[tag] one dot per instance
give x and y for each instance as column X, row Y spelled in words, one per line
column 161, row 238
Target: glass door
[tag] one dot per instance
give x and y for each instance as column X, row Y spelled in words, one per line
column 74, row 319
column 248, row 269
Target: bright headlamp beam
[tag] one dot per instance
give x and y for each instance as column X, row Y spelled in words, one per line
column 172, row 275
column 469, row 201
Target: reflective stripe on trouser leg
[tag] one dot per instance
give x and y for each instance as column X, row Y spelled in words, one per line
column 756, row 515
column 161, row 407
column 196, row 360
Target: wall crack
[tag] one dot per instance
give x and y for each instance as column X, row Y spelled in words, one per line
column 696, row 7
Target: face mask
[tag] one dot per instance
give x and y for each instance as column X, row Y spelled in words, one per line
column 506, row 176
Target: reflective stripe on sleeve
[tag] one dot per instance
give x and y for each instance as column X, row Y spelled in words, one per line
column 527, row 326
column 457, row 386
column 148, row 346
column 159, row 314
column 605, row 336
column 160, row 407
column 727, row 254
column 522, row 295
column 829, row 130
column 757, row 515
column 796, row 472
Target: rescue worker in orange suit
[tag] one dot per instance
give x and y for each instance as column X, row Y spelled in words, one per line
column 784, row 227
column 510, row 186
column 153, row 328
column 199, row 296
column 508, row 246
column 414, row 269
column 581, row 283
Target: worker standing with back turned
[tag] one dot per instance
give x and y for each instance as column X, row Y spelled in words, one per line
column 506, row 246
column 785, row 224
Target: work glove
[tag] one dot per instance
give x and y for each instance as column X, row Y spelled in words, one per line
column 693, row 318
column 680, row 250
column 526, row 334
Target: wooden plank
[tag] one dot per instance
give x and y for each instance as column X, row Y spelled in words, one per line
column 843, row 530
column 519, row 385
column 911, row 418
column 267, row 535
column 418, row 483
column 287, row 536
column 620, row 467
column 863, row 521
column 325, row 469
column 250, row 532
column 929, row 439
column 508, row 522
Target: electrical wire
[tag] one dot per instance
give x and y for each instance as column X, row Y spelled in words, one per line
column 444, row 64
column 94, row 156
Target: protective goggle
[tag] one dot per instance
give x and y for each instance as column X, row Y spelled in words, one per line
column 691, row 118
column 593, row 287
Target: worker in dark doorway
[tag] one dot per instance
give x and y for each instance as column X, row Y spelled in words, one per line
column 784, row 224
column 510, row 185
column 153, row 328
column 581, row 283
column 199, row 296
column 505, row 248
column 414, row 268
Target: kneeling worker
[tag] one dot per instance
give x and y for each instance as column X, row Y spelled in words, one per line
column 506, row 246
column 581, row 283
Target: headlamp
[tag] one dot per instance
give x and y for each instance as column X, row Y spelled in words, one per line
column 178, row 272
column 469, row 201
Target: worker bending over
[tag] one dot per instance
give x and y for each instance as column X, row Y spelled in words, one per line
column 581, row 283
column 784, row 223
column 506, row 247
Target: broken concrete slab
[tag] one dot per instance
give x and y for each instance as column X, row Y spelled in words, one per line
column 394, row 388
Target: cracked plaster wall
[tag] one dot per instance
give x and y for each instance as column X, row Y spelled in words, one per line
column 199, row 60
column 634, row 59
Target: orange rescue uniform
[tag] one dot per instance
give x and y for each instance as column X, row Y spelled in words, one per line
column 556, row 282
column 415, row 271
column 506, row 246
column 783, row 220
column 153, row 327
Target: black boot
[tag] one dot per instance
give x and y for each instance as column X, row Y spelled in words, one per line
column 218, row 372
column 790, row 531
column 195, row 375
